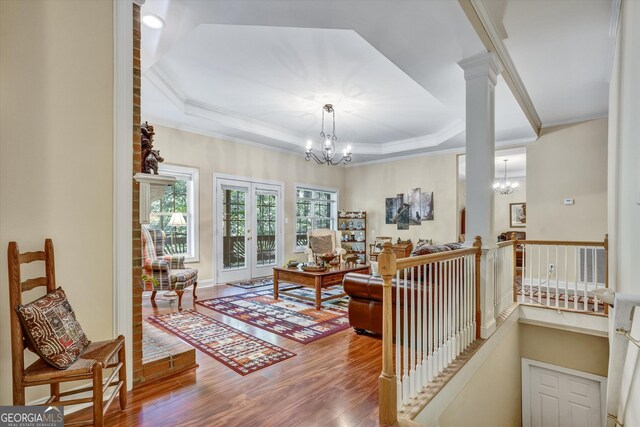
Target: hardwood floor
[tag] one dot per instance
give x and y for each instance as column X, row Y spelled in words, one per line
column 331, row 382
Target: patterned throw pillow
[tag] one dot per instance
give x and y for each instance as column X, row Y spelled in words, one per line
column 52, row 329
column 321, row 244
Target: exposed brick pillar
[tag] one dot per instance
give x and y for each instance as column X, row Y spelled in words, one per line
column 135, row 218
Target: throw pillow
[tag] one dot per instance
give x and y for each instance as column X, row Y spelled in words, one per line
column 321, row 244
column 52, row 329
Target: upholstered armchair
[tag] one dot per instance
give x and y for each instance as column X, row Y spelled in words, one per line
column 168, row 270
column 321, row 246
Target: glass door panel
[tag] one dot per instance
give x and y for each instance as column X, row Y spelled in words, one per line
column 234, row 226
column 266, row 249
column 249, row 227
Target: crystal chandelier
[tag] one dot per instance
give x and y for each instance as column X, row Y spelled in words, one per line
column 503, row 186
column 328, row 153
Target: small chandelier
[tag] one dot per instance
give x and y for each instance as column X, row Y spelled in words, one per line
column 328, row 153
column 503, row 186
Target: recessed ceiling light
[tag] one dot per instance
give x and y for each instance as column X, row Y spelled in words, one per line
column 153, row 21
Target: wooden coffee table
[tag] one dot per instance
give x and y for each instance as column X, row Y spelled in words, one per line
column 317, row 280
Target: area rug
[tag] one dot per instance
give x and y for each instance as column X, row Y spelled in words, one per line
column 235, row 349
column 253, row 283
column 288, row 317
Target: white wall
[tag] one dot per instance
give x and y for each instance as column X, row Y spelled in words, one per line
column 211, row 155
column 568, row 162
column 367, row 186
column 56, row 154
column 624, row 154
column 501, row 219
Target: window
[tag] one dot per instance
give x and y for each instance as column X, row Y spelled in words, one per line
column 315, row 208
column 180, row 198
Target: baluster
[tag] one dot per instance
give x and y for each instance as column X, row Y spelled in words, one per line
column 548, row 274
column 539, row 274
column 398, row 340
column 441, row 343
column 449, row 311
column 566, row 283
column 555, row 272
column 412, row 329
column 585, row 280
column 429, row 330
column 433, row 329
column 425, row 325
column 405, row 341
column 595, row 277
column 575, row 277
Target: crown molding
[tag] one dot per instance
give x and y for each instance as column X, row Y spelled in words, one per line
column 205, row 132
column 191, row 107
column 490, row 36
column 575, row 120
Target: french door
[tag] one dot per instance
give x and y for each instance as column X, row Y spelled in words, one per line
column 249, row 229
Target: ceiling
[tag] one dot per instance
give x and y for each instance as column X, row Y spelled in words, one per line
column 260, row 72
column 563, row 51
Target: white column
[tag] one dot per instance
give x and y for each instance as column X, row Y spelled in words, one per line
column 481, row 73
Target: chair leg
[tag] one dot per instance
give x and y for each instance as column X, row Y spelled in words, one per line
column 179, row 292
column 55, row 391
column 18, row 392
column 98, row 398
column 122, row 375
column 195, row 285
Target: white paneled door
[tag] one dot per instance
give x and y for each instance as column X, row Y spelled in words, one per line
column 558, row 397
column 248, row 232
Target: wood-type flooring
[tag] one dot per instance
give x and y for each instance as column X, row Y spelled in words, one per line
column 331, row 382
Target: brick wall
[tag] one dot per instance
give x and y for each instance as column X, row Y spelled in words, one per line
column 137, row 242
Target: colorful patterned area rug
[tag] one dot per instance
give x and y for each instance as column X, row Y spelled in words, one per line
column 253, row 283
column 237, row 350
column 288, row 317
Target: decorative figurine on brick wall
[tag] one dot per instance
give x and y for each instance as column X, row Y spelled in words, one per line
column 148, row 156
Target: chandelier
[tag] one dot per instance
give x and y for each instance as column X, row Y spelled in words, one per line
column 328, row 153
column 503, row 186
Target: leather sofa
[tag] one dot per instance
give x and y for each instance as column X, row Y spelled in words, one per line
column 365, row 294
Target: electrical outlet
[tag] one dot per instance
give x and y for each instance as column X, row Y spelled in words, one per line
column 552, row 268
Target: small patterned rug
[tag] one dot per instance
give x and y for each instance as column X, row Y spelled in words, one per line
column 288, row 317
column 253, row 283
column 237, row 350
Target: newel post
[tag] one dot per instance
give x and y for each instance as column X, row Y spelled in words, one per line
column 477, row 243
column 387, row 383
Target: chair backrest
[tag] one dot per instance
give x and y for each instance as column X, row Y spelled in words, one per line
column 323, row 232
column 153, row 242
column 17, row 287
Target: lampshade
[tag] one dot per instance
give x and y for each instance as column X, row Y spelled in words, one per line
column 177, row 220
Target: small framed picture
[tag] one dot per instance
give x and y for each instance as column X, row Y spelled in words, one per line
column 518, row 215
column 376, row 247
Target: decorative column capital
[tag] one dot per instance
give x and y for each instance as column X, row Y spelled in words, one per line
column 482, row 65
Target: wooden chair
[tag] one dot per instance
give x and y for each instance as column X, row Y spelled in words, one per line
column 90, row 366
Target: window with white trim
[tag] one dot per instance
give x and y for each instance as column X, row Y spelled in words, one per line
column 176, row 213
column 315, row 208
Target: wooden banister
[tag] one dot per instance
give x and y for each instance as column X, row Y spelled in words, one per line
column 387, row 384
column 415, row 261
column 559, row 243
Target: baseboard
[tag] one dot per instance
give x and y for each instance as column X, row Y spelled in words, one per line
column 207, row 283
